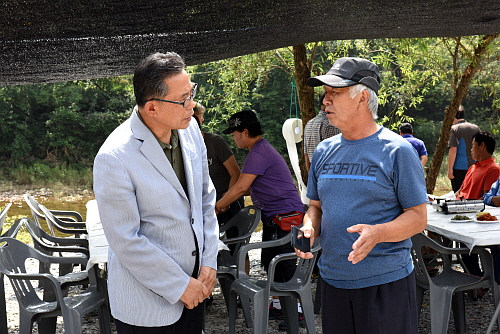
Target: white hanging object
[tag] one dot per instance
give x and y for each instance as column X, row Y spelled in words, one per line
column 293, row 132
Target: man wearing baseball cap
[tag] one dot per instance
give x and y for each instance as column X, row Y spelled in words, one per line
column 368, row 196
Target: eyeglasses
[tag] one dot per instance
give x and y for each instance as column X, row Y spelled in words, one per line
column 184, row 103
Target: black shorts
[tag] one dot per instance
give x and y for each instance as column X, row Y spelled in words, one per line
column 382, row 309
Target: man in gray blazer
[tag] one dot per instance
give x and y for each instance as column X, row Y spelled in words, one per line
column 156, row 203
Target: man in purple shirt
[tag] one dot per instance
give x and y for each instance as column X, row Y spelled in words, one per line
column 406, row 131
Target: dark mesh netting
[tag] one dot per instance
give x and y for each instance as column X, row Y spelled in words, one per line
column 56, row 40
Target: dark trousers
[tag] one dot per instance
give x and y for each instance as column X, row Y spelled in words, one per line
column 190, row 322
column 382, row 309
column 459, row 175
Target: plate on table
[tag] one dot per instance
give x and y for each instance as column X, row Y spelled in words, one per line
column 490, row 218
column 487, row 221
column 462, row 220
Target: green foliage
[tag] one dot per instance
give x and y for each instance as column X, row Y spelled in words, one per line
column 65, row 122
column 259, row 81
column 48, row 129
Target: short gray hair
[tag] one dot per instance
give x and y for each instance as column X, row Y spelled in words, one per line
column 372, row 100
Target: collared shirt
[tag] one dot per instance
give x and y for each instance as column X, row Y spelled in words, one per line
column 317, row 130
column 479, row 179
column 174, row 155
column 494, row 191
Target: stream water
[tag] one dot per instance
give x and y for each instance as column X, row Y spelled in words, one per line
column 65, row 199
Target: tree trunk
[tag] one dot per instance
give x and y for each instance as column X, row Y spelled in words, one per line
column 451, row 110
column 305, row 93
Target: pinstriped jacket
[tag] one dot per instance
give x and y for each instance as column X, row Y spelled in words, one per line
column 149, row 221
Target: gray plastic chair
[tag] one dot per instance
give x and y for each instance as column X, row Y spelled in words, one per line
column 11, row 232
column 13, row 254
column 245, row 221
column 55, row 246
column 3, row 215
column 259, row 291
column 49, row 244
column 448, row 287
column 65, row 218
column 55, row 223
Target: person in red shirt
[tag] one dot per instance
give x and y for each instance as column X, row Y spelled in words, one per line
column 478, row 181
column 484, row 172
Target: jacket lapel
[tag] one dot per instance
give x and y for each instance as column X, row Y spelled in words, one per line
column 153, row 152
column 188, row 154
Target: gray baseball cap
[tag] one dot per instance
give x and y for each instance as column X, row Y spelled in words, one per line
column 349, row 71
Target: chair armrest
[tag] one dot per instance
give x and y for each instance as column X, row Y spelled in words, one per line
column 70, row 223
column 75, row 215
column 235, row 240
column 69, row 241
column 56, row 287
column 289, row 256
column 66, row 249
column 263, row 244
column 83, row 260
column 423, row 240
column 70, row 230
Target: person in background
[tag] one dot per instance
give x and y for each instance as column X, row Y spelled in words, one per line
column 492, row 198
column 156, row 204
column 224, row 172
column 266, row 176
column 406, row 131
column 317, row 130
column 478, row 180
column 460, row 143
column 367, row 198
column 484, row 172
column 223, row 168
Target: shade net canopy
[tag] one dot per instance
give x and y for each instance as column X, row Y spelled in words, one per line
column 59, row 40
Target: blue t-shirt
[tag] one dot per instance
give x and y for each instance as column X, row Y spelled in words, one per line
column 273, row 190
column 417, row 144
column 365, row 181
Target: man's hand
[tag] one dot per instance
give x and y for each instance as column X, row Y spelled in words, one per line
column 195, row 293
column 208, row 277
column 308, row 233
column 450, row 175
column 368, row 238
column 495, row 200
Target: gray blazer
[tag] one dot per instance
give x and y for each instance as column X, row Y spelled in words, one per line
column 149, row 221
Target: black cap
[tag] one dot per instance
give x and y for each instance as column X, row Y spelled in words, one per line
column 241, row 121
column 349, row 71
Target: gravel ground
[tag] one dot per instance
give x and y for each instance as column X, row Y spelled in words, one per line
column 478, row 312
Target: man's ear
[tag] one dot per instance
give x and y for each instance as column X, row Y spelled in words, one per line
column 365, row 96
column 150, row 109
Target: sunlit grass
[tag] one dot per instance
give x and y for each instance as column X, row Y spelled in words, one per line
column 42, row 175
column 22, row 235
